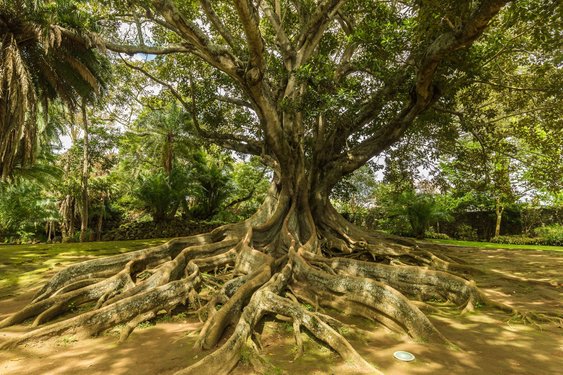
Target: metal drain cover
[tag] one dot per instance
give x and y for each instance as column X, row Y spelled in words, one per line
column 403, row 356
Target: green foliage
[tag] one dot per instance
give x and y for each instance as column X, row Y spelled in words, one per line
column 420, row 209
column 24, row 210
column 211, row 184
column 160, row 194
column 408, row 212
column 249, row 184
column 353, row 196
column 436, row 236
column 550, row 235
column 517, row 240
column 465, row 232
column 45, row 55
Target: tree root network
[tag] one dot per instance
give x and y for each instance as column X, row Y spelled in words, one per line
column 236, row 275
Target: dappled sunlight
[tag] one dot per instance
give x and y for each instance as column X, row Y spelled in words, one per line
column 483, row 342
column 24, row 266
column 144, row 351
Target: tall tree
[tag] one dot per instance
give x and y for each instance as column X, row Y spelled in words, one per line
column 316, row 88
column 42, row 58
column 84, row 201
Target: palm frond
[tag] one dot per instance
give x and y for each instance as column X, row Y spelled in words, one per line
column 84, row 72
column 40, row 61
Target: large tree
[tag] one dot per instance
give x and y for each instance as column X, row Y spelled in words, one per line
column 315, row 88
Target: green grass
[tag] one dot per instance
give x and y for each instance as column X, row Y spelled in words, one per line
column 25, row 265
column 489, row 245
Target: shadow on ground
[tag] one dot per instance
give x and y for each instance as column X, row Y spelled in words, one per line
column 485, row 342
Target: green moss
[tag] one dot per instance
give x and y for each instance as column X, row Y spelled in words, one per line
column 24, row 266
column 145, row 324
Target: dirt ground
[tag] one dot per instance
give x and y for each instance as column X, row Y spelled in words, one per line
column 485, row 342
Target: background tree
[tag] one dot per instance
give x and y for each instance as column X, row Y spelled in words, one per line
column 161, row 194
column 41, row 59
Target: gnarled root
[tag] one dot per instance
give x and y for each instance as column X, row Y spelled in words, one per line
column 237, row 274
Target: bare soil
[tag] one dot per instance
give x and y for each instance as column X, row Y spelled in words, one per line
column 485, row 342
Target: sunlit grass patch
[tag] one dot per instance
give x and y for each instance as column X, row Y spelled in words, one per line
column 23, row 266
column 490, row 245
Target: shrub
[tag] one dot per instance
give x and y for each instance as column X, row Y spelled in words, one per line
column 466, row 232
column 550, row 235
column 436, row 236
column 160, row 194
column 516, row 240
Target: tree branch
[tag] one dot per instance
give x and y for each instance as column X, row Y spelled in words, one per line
column 498, row 85
column 248, row 15
column 216, row 22
column 235, row 101
column 422, row 95
column 286, row 48
column 132, row 49
column 215, row 55
column 312, row 33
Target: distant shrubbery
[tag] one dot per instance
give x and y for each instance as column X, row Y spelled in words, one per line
column 436, row 236
column 517, row 240
column 148, row 229
column 548, row 235
column 552, row 234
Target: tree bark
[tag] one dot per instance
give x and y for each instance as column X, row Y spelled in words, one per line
column 100, row 220
column 85, row 175
column 499, row 209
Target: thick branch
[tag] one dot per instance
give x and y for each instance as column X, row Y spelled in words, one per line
column 133, row 49
column 287, row 49
column 235, row 101
column 248, row 15
column 216, row 22
column 213, row 54
column 312, row 33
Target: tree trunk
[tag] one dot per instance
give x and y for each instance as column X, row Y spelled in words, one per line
column 67, row 213
column 168, row 155
column 85, row 173
column 499, row 209
column 48, row 230
column 100, row 222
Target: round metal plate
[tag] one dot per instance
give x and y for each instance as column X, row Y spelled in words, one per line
column 403, row 356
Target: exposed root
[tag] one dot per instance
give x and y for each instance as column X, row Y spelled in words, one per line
column 237, row 274
column 383, row 300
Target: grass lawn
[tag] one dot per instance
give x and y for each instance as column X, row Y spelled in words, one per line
column 24, row 265
column 489, row 245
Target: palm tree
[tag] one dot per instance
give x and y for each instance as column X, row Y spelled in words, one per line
column 43, row 57
column 162, row 137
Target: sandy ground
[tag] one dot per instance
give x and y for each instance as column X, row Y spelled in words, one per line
column 485, row 342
